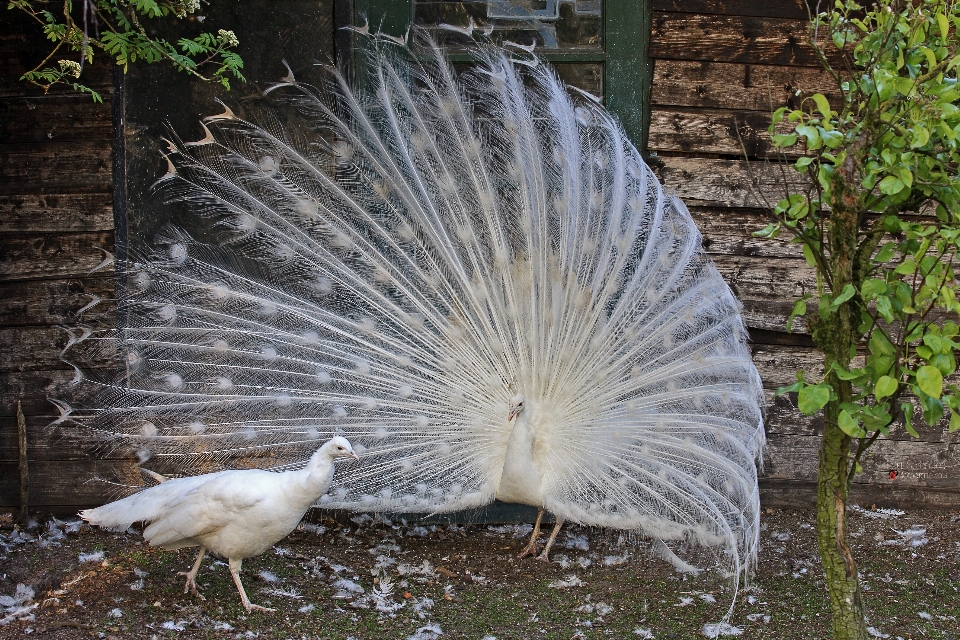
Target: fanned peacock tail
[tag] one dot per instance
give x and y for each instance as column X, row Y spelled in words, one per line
column 396, row 264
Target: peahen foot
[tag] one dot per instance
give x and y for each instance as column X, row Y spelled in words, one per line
column 191, row 585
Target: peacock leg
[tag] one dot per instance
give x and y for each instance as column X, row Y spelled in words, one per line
column 235, row 572
column 531, row 549
column 553, row 536
column 191, row 585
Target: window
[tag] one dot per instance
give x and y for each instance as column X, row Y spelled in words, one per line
column 599, row 46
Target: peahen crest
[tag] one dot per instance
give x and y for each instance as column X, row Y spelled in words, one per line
column 401, row 264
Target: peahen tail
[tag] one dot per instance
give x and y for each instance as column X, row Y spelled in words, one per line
column 397, row 263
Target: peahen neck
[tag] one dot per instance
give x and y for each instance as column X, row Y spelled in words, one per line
column 520, row 481
column 314, row 479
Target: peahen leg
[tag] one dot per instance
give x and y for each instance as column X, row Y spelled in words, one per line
column 553, row 536
column 191, row 585
column 531, row 549
column 235, row 572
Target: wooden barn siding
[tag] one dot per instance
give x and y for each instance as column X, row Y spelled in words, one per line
column 720, row 68
column 56, row 217
column 56, row 223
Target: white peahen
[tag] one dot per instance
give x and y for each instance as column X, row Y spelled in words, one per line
column 234, row 514
column 474, row 277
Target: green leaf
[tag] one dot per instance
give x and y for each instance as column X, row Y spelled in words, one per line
column 907, row 409
column 930, row 381
column 784, row 139
column 932, row 410
column 823, row 105
column 808, row 254
column 812, row 398
column 954, row 421
column 845, row 294
column 891, row 185
column 849, row 425
column 886, row 386
column 769, row 231
column 799, row 309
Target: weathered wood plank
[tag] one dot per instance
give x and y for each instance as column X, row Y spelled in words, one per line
column 52, row 443
column 54, row 255
column 38, row 349
column 59, row 118
column 34, row 387
column 56, row 167
column 715, row 132
column 724, row 183
column 775, row 279
column 81, row 483
column 743, row 39
column 724, row 85
column 915, row 462
column 729, row 231
column 793, row 9
column 799, row 494
column 39, row 302
column 778, row 364
column 56, row 212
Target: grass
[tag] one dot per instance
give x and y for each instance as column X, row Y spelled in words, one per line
column 479, row 589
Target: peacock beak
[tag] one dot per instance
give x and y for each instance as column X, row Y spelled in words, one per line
column 513, row 413
column 353, row 454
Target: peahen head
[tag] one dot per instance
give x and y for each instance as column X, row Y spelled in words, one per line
column 516, row 406
column 339, row 447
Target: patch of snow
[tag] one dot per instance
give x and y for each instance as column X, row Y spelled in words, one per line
column 94, row 556
column 874, row 632
column 758, row 617
column 925, row 615
column 914, row 536
column 346, row 589
column 877, row 514
column 576, row 541
column 708, row 598
column 615, row 560
column 318, row 530
column 715, row 630
column 269, row 576
column 644, row 633
column 115, row 613
column 570, row 581
column 429, row 632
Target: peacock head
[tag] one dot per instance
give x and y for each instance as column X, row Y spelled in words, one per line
column 516, row 406
column 340, row 447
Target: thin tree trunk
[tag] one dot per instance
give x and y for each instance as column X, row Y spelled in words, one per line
column 836, row 334
column 841, row 571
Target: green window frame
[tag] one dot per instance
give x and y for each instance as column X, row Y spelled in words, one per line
column 627, row 69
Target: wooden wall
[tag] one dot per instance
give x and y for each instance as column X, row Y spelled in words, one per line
column 720, row 66
column 56, row 227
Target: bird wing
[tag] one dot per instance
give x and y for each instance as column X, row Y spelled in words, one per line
column 206, row 507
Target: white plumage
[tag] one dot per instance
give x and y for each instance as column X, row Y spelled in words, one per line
column 234, row 514
column 404, row 263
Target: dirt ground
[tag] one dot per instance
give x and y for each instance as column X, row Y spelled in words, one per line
column 372, row 578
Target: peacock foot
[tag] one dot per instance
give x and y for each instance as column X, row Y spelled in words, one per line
column 256, row 607
column 543, row 557
column 530, row 550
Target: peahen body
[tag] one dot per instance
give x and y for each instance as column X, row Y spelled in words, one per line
column 234, row 514
column 475, row 277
